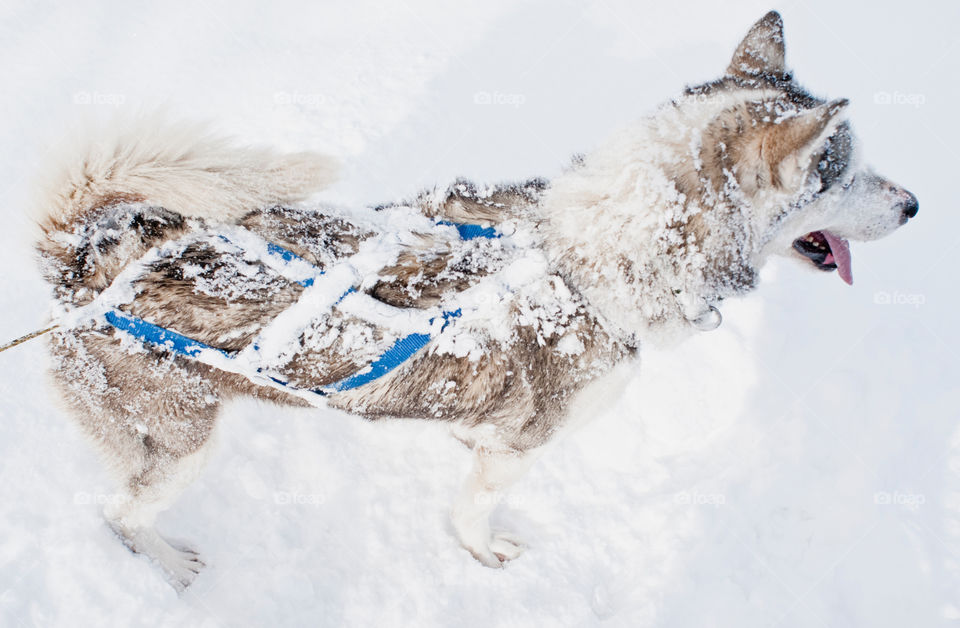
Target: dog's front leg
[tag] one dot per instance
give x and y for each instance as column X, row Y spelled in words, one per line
column 494, row 471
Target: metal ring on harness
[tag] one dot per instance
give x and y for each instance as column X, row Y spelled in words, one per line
column 708, row 320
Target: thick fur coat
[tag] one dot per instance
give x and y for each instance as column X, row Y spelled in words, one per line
column 638, row 241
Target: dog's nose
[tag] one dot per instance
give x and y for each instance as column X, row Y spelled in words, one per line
column 911, row 207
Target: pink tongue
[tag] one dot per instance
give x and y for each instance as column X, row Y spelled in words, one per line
column 841, row 256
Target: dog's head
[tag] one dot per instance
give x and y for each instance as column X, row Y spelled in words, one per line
column 673, row 214
column 794, row 159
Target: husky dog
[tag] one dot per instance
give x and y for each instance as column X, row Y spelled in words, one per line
column 638, row 241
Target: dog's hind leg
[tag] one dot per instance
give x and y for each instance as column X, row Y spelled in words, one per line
column 149, row 493
column 494, row 471
column 152, row 418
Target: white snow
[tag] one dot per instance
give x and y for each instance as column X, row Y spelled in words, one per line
column 800, row 466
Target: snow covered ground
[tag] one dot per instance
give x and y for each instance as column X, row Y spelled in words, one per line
column 798, row 467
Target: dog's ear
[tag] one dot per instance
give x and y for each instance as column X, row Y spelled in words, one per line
column 800, row 136
column 761, row 52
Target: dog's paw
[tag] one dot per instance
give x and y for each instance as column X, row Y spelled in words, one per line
column 500, row 548
column 181, row 567
column 179, row 563
column 506, row 546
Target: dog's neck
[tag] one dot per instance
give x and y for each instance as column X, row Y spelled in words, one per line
column 651, row 259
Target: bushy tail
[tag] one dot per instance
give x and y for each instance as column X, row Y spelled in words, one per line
column 178, row 170
column 184, row 169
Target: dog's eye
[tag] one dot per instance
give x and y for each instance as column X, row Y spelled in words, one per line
column 835, row 158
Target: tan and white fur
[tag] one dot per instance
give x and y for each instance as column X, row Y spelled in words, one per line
column 638, row 241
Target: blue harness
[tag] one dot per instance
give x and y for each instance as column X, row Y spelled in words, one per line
column 393, row 357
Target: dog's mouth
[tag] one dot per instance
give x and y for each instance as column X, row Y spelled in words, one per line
column 827, row 252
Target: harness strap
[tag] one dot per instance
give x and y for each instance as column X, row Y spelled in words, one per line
column 393, row 357
column 471, row 232
column 160, row 336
